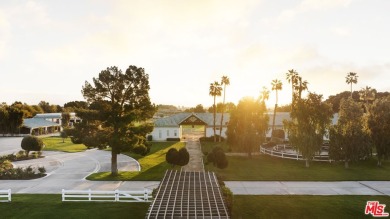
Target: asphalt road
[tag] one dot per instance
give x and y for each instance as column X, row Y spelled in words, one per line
column 68, row 171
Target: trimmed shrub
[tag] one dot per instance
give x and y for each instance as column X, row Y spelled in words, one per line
column 31, row 143
column 76, row 140
column 140, row 149
column 175, row 157
column 184, row 157
column 173, row 139
column 218, row 158
column 171, row 156
column 150, row 138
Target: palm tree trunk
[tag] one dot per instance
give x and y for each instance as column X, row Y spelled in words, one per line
column 351, row 90
column 273, row 120
column 223, row 110
column 215, row 113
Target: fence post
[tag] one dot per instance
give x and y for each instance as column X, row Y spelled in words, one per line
column 89, row 195
column 116, row 195
column 9, row 195
column 145, row 195
column 63, row 194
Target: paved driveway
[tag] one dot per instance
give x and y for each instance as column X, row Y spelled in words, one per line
column 68, row 170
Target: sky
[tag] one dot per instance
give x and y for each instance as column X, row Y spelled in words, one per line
column 48, row 49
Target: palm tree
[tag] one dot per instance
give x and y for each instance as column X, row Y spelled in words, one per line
column 215, row 90
column 367, row 94
column 225, row 81
column 276, row 85
column 292, row 77
column 264, row 94
column 351, row 78
column 301, row 86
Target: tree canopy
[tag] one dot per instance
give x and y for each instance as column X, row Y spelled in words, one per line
column 118, row 112
column 310, row 119
column 379, row 127
column 348, row 138
column 248, row 125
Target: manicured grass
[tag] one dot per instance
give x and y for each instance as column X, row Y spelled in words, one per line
column 51, row 206
column 57, row 144
column 153, row 165
column 264, row 167
column 304, row 206
column 208, row 146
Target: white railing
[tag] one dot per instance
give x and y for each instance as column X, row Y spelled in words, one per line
column 5, row 195
column 107, row 196
column 287, row 155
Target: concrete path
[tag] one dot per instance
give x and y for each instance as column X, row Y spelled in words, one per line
column 309, row 188
column 196, row 161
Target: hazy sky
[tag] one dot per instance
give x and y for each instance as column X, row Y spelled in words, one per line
column 48, row 49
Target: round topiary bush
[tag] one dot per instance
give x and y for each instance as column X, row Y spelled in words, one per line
column 184, row 157
column 31, row 143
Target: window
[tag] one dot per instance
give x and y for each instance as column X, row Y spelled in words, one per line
column 159, row 134
column 175, row 133
column 167, row 133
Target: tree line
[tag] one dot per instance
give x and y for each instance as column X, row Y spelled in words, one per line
column 362, row 127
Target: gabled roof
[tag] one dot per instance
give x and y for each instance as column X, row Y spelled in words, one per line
column 48, row 115
column 177, row 119
column 37, row 123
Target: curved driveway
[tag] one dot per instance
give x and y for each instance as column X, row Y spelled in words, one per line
column 68, row 171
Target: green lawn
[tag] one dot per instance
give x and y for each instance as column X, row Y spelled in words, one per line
column 264, row 167
column 51, row 206
column 57, row 144
column 153, row 165
column 304, row 206
column 208, row 146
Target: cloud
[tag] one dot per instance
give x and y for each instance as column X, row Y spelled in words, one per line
column 5, row 33
column 340, row 31
column 307, row 6
column 320, row 5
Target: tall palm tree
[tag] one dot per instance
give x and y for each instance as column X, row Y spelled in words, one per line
column 225, row 81
column 367, row 94
column 351, row 78
column 215, row 90
column 264, row 94
column 301, row 86
column 292, row 77
column 276, row 85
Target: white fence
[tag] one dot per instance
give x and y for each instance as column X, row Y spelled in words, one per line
column 5, row 195
column 287, row 155
column 107, row 196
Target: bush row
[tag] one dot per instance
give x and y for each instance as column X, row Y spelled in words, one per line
column 8, row 172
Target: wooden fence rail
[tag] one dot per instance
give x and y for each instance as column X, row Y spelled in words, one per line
column 295, row 156
column 107, row 196
column 5, row 195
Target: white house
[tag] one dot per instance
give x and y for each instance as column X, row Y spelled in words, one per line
column 181, row 124
column 201, row 124
column 56, row 117
column 45, row 123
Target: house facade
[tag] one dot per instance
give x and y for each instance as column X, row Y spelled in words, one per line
column 46, row 123
column 183, row 125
